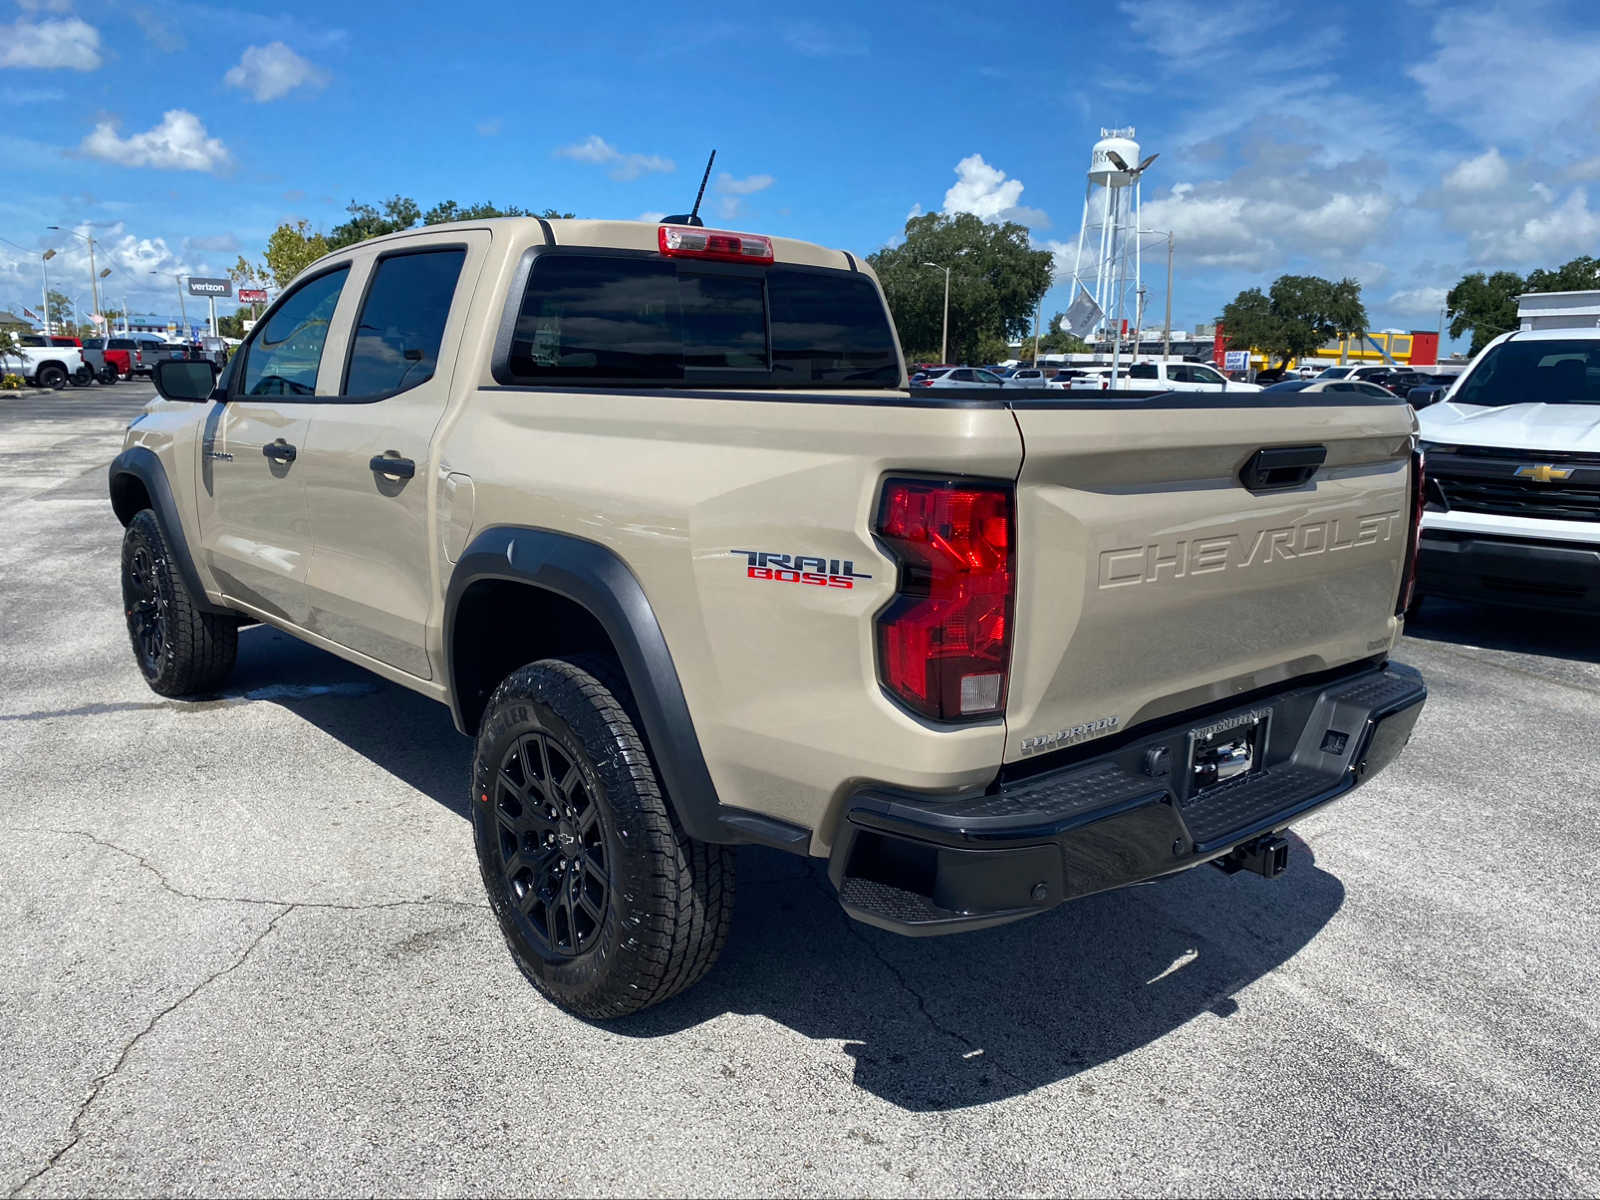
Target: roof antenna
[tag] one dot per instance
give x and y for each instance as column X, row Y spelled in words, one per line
column 693, row 216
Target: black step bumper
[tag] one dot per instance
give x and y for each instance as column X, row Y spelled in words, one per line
column 1126, row 813
column 1564, row 576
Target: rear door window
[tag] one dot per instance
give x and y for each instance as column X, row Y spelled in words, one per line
column 599, row 318
column 401, row 326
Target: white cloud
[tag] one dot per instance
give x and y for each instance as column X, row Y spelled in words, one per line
column 1425, row 301
column 160, row 29
column 270, row 71
column 1486, row 172
column 179, row 143
column 1547, row 238
column 55, row 6
column 596, row 151
column 489, row 128
column 743, row 187
column 985, row 192
column 72, row 44
column 1192, row 33
column 652, row 217
column 1507, row 73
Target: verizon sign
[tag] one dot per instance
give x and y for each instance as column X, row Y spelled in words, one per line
column 199, row 286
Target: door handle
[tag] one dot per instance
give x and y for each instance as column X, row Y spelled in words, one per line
column 384, row 464
column 279, row 451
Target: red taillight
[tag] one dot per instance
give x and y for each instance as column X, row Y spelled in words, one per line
column 944, row 642
column 687, row 241
column 1419, row 488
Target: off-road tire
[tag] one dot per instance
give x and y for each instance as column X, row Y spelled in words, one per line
column 52, row 377
column 194, row 650
column 670, row 898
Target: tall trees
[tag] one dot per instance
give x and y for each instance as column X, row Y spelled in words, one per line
column 1299, row 315
column 291, row 248
column 996, row 280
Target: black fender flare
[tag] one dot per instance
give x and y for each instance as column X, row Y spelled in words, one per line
column 141, row 463
column 597, row 580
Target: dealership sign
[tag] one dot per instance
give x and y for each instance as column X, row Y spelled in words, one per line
column 213, row 288
column 253, row 295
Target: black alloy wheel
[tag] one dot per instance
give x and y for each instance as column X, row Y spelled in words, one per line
column 553, row 853
column 147, row 609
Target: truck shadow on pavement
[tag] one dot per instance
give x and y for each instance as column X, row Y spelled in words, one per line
column 928, row 1023
column 1515, row 630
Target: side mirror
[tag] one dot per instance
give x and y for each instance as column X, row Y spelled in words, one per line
column 184, row 378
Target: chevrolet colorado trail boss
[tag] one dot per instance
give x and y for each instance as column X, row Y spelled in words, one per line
column 651, row 509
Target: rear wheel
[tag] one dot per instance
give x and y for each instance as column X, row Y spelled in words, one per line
column 606, row 904
column 52, row 377
column 181, row 649
column 108, row 374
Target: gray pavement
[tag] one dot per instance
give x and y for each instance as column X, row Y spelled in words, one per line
column 246, row 952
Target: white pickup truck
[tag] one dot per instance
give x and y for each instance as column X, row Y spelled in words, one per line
column 1161, row 376
column 1513, row 500
column 45, row 366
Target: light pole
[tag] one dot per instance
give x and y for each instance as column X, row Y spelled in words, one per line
column 44, row 275
column 1135, row 176
column 94, row 279
column 944, row 332
column 182, row 307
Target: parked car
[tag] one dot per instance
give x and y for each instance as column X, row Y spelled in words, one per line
column 94, row 353
column 81, row 375
column 125, row 354
column 961, row 746
column 1025, row 377
column 1356, row 371
column 962, row 377
column 1513, row 460
column 1181, row 377
column 47, row 366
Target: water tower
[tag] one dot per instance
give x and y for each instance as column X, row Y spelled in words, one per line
column 1109, row 233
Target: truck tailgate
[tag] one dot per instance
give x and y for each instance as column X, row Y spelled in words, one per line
column 1151, row 580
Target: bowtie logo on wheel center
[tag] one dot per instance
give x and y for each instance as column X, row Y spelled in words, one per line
column 567, row 839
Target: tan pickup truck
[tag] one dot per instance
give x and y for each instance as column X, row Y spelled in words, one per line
column 651, row 509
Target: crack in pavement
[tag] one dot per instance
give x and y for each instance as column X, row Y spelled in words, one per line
column 265, row 901
column 74, row 1129
column 853, row 927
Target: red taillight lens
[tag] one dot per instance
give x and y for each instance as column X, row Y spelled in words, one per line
column 944, row 642
column 687, row 241
column 1419, row 490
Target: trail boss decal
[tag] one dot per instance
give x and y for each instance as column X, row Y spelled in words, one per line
column 800, row 568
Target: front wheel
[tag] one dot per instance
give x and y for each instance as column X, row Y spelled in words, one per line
column 606, row 904
column 181, row 649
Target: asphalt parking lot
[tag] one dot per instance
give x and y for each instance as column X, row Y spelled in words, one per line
column 246, row 952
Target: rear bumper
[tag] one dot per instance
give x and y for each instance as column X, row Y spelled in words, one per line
column 1503, row 570
column 918, row 864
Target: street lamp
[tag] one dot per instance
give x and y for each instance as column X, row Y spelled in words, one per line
column 44, row 275
column 94, row 279
column 944, row 332
column 1134, row 174
column 182, row 307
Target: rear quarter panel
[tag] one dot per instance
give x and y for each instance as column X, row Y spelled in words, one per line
column 780, row 677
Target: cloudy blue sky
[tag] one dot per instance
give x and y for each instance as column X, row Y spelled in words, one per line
column 1401, row 143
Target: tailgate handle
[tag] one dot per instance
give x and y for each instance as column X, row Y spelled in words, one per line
column 1282, row 467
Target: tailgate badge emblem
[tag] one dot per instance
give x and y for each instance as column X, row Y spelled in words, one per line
column 1544, row 473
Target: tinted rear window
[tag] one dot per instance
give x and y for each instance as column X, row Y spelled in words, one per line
column 402, row 321
column 1535, row 372
column 121, row 344
column 593, row 319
